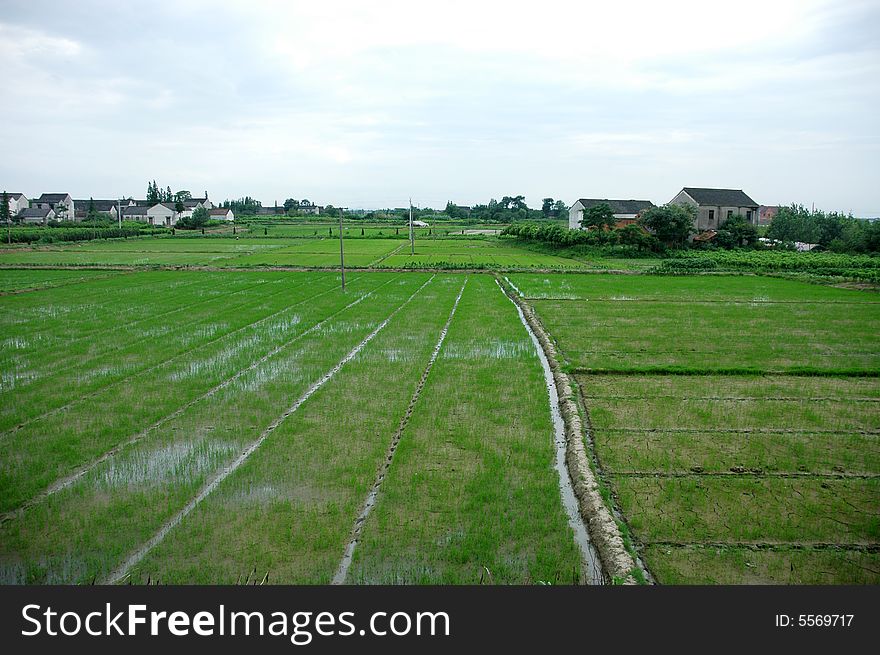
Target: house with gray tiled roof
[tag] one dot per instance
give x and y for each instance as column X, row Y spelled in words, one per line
column 625, row 211
column 36, row 215
column 61, row 203
column 715, row 206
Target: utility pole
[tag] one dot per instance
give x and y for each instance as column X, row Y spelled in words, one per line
column 341, row 250
column 412, row 245
column 119, row 211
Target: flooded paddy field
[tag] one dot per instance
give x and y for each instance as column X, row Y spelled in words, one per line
column 193, row 426
column 735, row 421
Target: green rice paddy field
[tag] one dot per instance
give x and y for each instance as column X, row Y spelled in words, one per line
column 207, row 426
column 735, row 421
column 211, row 426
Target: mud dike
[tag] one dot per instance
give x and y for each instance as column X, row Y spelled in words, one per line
column 616, row 562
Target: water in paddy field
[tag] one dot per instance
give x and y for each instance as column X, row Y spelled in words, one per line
column 589, row 555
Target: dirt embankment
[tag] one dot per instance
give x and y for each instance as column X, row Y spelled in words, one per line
column 617, row 563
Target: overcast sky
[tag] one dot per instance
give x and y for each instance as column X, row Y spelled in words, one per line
column 364, row 104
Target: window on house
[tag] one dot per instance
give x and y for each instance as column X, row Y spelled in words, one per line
column 711, row 214
column 729, row 213
column 749, row 215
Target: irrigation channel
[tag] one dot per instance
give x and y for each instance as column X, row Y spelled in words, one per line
column 591, row 562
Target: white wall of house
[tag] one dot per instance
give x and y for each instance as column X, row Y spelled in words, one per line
column 161, row 215
column 228, row 215
column 17, row 204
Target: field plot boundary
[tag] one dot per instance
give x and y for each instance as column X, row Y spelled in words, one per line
column 370, row 500
column 70, row 479
column 67, row 283
column 618, row 563
column 120, row 573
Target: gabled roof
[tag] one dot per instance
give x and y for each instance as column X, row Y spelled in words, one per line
column 100, row 205
column 618, row 206
column 219, row 211
column 166, row 205
column 53, row 197
column 720, row 197
column 34, row 212
column 13, row 196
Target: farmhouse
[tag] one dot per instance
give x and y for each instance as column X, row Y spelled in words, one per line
column 162, row 213
column 221, row 214
column 61, row 203
column 766, row 214
column 106, row 207
column 36, row 215
column 625, row 211
column 715, row 206
column 17, row 203
column 135, row 213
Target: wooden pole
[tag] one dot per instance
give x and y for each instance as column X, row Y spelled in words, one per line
column 341, row 251
column 412, row 243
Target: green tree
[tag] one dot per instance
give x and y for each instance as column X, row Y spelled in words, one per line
column 290, row 203
column 671, row 224
column 547, row 207
column 183, row 195
column 92, row 213
column 198, row 219
column 635, row 236
column 179, row 207
column 6, row 216
column 153, row 193
column 559, row 209
column 736, row 232
column 598, row 216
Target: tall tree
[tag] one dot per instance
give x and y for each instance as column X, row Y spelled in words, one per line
column 598, row 216
column 5, row 216
column 92, row 212
column 547, row 207
column 672, row 224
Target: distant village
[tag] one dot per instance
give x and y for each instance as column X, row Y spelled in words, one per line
column 167, row 213
column 713, row 208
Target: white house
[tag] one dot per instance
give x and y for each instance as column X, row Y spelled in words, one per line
column 715, row 206
column 36, row 215
column 625, row 211
column 61, row 203
column 221, row 214
column 162, row 213
column 135, row 213
column 17, row 203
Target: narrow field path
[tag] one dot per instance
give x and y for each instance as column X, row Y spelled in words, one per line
column 386, row 255
column 68, row 480
column 120, row 573
column 370, row 501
